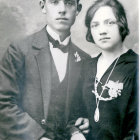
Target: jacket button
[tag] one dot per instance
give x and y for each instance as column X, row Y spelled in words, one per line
column 43, row 121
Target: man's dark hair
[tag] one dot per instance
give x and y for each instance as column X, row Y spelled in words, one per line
column 77, row 1
column 118, row 11
column 79, row 6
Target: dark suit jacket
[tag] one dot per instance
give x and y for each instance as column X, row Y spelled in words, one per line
column 25, row 85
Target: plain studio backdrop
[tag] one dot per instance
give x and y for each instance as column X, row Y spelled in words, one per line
column 19, row 18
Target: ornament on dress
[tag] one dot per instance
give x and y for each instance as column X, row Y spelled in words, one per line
column 96, row 115
column 114, row 90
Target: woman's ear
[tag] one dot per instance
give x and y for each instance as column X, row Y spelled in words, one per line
column 79, row 8
column 42, row 6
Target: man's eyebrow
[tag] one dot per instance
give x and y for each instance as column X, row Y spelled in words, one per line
column 71, row 1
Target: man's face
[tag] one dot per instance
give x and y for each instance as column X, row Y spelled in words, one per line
column 60, row 14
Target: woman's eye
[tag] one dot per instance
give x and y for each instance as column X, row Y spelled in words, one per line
column 94, row 25
column 111, row 22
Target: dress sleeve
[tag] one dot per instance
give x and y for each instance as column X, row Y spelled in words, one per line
column 131, row 119
column 15, row 124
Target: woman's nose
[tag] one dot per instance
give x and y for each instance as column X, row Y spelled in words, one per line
column 103, row 30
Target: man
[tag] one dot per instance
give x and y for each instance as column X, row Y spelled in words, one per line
column 38, row 80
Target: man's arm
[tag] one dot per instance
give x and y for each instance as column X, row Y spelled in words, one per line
column 15, row 124
column 78, row 136
column 78, row 122
column 83, row 125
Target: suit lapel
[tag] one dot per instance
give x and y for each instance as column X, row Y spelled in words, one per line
column 43, row 58
column 73, row 76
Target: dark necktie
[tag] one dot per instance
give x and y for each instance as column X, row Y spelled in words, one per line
column 56, row 44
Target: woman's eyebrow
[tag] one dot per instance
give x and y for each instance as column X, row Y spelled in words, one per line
column 110, row 19
column 94, row 22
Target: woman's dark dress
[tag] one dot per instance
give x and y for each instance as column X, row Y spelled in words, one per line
column 118, row 116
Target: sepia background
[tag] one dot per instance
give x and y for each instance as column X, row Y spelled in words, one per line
column 19, row 18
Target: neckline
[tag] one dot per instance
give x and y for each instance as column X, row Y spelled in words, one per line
column 109, row 67
column 97, row 113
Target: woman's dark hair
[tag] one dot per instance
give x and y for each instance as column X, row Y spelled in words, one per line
column 119, row 13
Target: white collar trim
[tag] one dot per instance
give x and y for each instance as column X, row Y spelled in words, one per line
column 56, row 36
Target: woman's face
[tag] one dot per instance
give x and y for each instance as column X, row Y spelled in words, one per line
column 104, row 29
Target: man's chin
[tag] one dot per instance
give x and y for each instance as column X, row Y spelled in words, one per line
column 63, row 29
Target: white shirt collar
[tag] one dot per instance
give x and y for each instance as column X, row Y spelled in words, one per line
column 56, row 36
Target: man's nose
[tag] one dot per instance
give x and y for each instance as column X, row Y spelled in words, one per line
column 62, row 7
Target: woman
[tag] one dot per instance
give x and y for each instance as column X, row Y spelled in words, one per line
column 110, row 84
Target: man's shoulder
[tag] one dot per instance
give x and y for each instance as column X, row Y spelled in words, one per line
column 26, row 43
column 30, row 38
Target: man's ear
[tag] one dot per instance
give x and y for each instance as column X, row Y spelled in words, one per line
column 42, row 6
column 79, row 8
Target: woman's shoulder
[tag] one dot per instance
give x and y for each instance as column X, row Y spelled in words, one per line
column 131, row 56
column 130, row 62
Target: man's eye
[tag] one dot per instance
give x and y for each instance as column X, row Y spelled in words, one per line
column 70, row 2
column 54, row 1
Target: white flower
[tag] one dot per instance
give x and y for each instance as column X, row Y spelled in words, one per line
column 77, row 57
column 114, row 88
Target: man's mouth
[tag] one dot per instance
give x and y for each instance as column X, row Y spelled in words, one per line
column 62, row 18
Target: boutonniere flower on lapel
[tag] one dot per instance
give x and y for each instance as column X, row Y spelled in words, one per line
column 77, row 57
column 114, row 88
